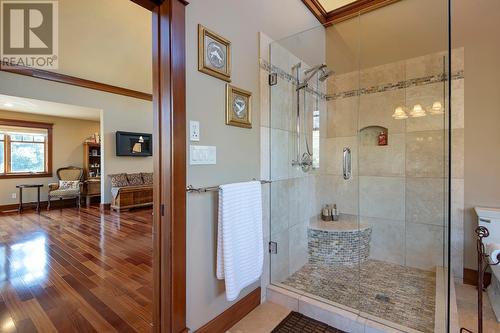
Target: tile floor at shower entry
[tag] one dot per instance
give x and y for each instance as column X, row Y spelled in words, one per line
column 399, row 294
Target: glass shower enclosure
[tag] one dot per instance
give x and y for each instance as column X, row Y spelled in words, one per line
column 359, row 133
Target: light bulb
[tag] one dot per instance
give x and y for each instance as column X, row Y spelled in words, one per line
column 399, row 113
column 417, row 111
column 437, row 108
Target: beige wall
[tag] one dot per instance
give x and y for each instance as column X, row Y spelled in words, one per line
column 237, row 149
column 118, row 113
column 68, row 136
column 108, row 41
column 475, row 27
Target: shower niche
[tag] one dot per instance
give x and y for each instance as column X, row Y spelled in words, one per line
column 374, row 136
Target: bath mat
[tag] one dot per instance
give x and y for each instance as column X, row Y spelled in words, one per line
column 298, row 323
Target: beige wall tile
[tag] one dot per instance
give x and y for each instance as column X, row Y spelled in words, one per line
column 264, row 90
column 280, row 260
column 383, row 160
column 425, row 95
column 282, row 103
column 266, row 210
column 345, row 194
column 387, row 240
column 425, row 201
column 457, row 103
column 298, row 203
column 457, row 59
column 377, row 109
column 379, row 75
column 265, row 156
column 342, row 117
column 382, row 197
column 432, row 64
column 279, row 154
column 457, row 153
column 424, row 246
column 425, row 154
column 334, row 154
column 280, row 191
column 344, row 82
column 297, row 247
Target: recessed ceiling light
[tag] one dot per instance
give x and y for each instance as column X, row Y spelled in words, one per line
column 8, row 105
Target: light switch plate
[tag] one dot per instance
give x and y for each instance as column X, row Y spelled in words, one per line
column 194, row 130
column 202, row 155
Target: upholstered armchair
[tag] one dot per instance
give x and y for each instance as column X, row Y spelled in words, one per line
column 69, row 185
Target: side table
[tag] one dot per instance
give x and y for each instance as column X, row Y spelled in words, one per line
column 20, row 187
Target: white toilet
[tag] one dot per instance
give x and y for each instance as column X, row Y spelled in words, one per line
column 490, row 218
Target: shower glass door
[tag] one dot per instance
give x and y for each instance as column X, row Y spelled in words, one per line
column 359, row 137
column 315, row 256
column 402, row 156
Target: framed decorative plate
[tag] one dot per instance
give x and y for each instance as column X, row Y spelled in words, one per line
column 238, row 107
column 214, row 54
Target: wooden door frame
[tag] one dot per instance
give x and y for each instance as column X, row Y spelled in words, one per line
column 169, row 212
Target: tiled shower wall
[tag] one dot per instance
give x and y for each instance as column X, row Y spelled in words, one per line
column 291, row 206
column 401, row 186
column 399, row 189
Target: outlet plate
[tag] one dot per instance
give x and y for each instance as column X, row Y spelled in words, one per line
column 194, row 130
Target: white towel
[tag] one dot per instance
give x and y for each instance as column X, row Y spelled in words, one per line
column 240, row 253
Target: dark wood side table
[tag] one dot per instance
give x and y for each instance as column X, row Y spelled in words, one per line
column 20, row 187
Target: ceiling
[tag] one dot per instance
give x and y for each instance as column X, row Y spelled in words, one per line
column 329, row 5
column 333, row 11
column 34, row 106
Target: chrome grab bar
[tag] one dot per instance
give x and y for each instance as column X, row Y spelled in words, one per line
column 347, row 164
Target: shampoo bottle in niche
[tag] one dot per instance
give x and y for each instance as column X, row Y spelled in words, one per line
column 382, row 139
column 335, row 213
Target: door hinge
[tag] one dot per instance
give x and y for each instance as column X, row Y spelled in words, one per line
column 162, row 210
column 273, row 79
column 273, row 247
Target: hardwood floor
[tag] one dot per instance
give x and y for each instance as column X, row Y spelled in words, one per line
column 76, row 271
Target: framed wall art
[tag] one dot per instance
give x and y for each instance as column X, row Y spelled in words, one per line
column 238, row 107
column 214, row 54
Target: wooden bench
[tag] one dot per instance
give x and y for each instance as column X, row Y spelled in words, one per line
column 132, row 197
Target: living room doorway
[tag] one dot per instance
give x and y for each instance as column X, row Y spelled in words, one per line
column 169, row 159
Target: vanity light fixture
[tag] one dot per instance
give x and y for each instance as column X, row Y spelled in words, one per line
column 399, row 113
column 418, row 111
column 437, row 108
column 8, row 105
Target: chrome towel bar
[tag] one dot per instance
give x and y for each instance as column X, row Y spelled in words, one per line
column 191, row 188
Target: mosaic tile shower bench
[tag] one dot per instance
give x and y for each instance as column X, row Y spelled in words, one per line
column 338, row 243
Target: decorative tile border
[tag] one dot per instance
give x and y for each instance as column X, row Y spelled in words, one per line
column 284, row 75
column 421, row 81
column 265, row 65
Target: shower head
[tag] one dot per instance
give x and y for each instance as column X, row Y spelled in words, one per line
column 326, row 74
column 311, row 72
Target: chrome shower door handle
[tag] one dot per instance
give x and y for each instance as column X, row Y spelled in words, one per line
column 347, row 164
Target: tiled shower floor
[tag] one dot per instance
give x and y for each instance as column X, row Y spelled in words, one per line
column 402, row 295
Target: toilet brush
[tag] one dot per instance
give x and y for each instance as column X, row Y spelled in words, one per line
column 482, row 264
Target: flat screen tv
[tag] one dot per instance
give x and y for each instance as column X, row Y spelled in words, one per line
column 134, row 144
